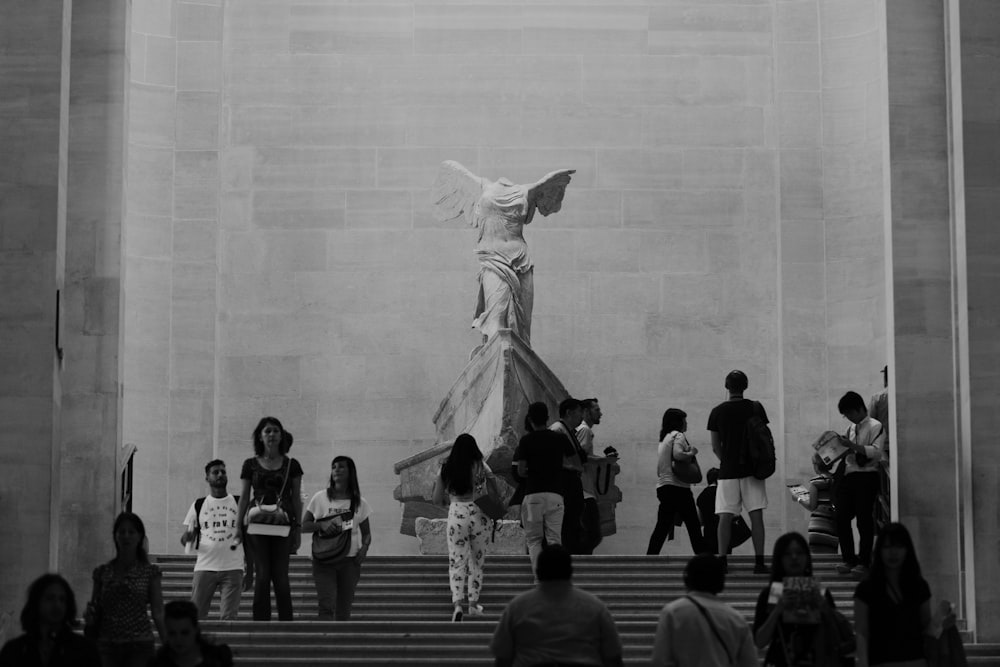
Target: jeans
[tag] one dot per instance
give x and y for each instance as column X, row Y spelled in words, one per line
column 271, row 559
column 675, row 500
column 335, row 586
column 573, row 502
column 855, row 497
column 542, row 515
column 230, row 585
column 126, row 654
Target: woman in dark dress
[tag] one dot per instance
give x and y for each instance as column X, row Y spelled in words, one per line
column 794, row 644
column 48, row 639
column 185, row 646
column 273, row 479
column 892, row 607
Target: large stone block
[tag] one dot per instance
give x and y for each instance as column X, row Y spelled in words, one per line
column 508, row 538
column 710, row 29
column 486, row 29
column 199, row 66
column 199, row 22
column 639, row 168
column 733, row 126
column 608, row 29
column 350, row 29
column 159, row 60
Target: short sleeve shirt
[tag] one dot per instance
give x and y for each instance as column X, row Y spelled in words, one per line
column 894, row 628
column 124, row 601
column 321, row 507
column 217, row 550
column 729, row 420
column 543, row 452
column 267, row 484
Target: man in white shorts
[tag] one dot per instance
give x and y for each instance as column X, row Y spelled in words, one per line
column 738, row 488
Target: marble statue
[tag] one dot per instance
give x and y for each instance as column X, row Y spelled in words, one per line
column 500, row 210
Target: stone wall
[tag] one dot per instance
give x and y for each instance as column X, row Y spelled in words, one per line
column 723, row 153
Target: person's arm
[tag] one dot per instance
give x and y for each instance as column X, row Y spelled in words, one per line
column 861, row 631
column 366, row 541
column 876, row 448
column 241, row 512
column 812, row 502
column 190, row 521
column 156, row 605
column 926, row 616
column 438, row 495
column 310, row 524
column 502, row 644
column 661, row 641
column 764, row 622
column 611, row 643
column 681, row 454
column 746, row 653
column 716, row 444
column 296, row 533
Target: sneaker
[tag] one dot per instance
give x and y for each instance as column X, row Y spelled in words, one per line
column 475, row 609
column 843, row 568
column 456, row 616
column 859, row 571
column 760, row 568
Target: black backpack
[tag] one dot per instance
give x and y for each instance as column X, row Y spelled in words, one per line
column 760, row 452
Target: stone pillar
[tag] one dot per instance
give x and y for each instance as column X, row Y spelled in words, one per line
column 32, row 41
column 980, row 104
column 91, row 392
column 924, row 382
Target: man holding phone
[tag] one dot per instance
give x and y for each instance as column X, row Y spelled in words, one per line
column 212, row 532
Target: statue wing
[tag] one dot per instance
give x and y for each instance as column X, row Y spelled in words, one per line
column 548, row 192
column 455, row 192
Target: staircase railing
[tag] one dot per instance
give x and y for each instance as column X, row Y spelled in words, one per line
column 128, row 459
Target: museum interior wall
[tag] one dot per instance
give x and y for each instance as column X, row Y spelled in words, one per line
column 281, row 258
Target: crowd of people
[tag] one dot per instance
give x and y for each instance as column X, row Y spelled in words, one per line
column 245, row 541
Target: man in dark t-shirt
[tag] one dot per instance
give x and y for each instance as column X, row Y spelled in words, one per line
column 539, row 458
column 738, row 488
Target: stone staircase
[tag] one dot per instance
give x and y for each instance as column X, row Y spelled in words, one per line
column 402, row 611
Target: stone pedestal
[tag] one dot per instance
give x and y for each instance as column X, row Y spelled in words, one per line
column 489, row 401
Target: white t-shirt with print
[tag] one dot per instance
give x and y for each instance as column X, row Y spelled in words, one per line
column 321, row 507
column 219, row 529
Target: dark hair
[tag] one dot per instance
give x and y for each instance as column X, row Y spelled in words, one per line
column 30, row 620
column 705, row 573
column 851, row 401
column 352, row 484
column 568, row 406
column 712, row 476
column 185, row 609
column 587, row 403
column 456, row 473
column 673, row 420
column 129, row 517
column 554, row 564
column 528, row 426
column 780, row 547
column 258, row 440
column 896, row 534
column 737, row 381
column 214, row 462
column 538, row 413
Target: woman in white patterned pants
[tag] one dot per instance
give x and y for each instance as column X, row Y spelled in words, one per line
column 461, row 473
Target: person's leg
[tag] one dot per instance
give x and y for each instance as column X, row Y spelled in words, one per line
column 348, row 576
column 280, row 560
column 866, row 492
column 202, row 588
column 727, row 505
column 533, row 516
column 231, row 588
column 138, row 654
column 458, row 550
column 111, row 654
column 261, row 550
column 757, row 532
column 573, row 508
column 689, row 515
column 592, row 526
column 478, row 538
column 325, row 580
column 554, row 510
column 845, row 512
column 664, row 519
column 725, row 532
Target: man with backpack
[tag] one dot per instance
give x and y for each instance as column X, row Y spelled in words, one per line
column 212, row 531
column 742, row 442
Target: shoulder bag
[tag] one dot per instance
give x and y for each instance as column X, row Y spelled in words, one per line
column 333, row 548
column 715, row 630
column 489, row 499
column 263, row 519
column 688, row 472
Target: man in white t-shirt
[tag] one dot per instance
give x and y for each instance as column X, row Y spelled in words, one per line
column 212, row 532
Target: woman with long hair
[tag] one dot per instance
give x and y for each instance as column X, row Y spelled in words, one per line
column 461, row 473
column 674, row 495
column 791, row 644
column 126, row 590
column 275, row 480
column 47, row 620
column 185, row 644
column 338, row 518
column 892, row 606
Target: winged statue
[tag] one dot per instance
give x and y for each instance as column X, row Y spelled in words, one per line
column 499, row 210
